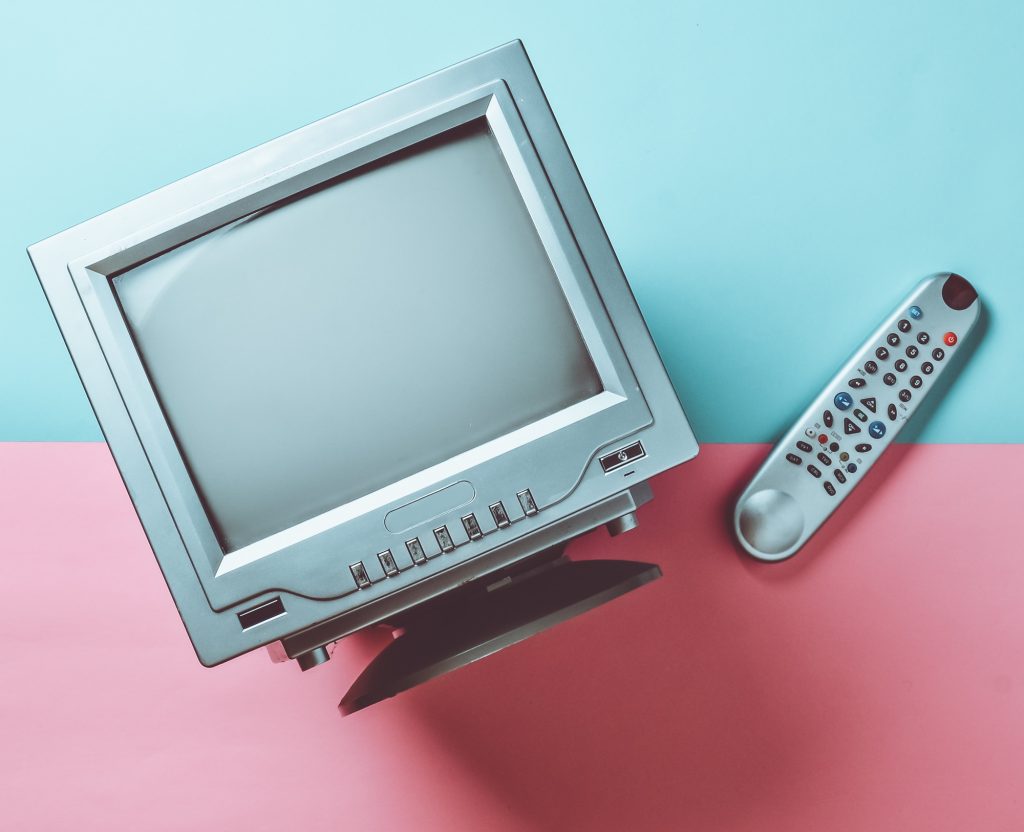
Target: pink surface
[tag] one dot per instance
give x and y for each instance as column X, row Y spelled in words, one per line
column 874, row 682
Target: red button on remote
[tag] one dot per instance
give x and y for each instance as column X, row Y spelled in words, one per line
column 822, row 438
column 949, row 339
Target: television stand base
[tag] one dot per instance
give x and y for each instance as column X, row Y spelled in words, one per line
column 489, row 614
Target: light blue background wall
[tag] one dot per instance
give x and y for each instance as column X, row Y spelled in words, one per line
column 774, row 176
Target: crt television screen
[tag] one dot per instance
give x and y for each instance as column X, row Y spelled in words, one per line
column 318, row 350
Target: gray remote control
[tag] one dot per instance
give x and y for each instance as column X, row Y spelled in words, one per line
column 839, row 437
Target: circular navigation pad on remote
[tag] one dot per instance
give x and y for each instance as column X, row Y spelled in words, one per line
column 771, row 521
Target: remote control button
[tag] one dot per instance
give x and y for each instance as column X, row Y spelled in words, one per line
column 813, row 471
column 794, row 458
column 869, row 403
column 900, row 365
column 915, row 312
column 889, row 379
column 840, row 475
column 922, row 338
column 830, row 489
column 843, row 400
column 892, row 412
column 870, row 367
column 916, row 381
column 833, row 446
column 850, row 427
column 927, row 368
column 857, row 383
column 892, row 339
column 862, row 448
column 822, row 438
column 810, row 432
column 804, row 446
column 860, row 414
column 938, row 353
column 827, row 418
column 912, row 351
column 851, row 469
column 903, row 325
column 877, row 429
column 949, row 339
column 904, row 396
column 882, row 354
column 844, row 456
column 825, row 459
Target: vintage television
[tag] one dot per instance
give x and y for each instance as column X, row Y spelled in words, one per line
column 378, row 370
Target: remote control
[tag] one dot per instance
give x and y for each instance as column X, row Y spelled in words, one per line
column 839, row 437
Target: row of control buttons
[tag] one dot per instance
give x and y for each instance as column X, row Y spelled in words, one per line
column 445, row 542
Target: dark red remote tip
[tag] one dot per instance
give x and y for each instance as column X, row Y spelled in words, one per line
column 957, row 292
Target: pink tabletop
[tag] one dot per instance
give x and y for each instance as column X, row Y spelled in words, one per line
column 873, row 682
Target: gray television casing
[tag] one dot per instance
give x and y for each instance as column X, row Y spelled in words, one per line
column 558, row 458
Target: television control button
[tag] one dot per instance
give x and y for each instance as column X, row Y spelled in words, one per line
column 833, row 446
column 889, row 379
column 860, row 414
column 857, row 383
column 444, row 539
column 824, row 459
column 472, row 527
column 844, row 456
column 870, row 367
column 843, row 400
column 903, row 325
column 814, row 472
column 387, row 562
column 949, row 339
column 877, row 429
column 810, row 432
column 912, row 351
column 904, row 396
column 892, row 412
column 851, row 468
column 830, row 489
column 892, row 339
column 622, row 456
column 882, row 354
column 499, row 515
column 850, row 427
column 803, row 446
column 938, row 354
column 526, row 501
column 415, row 550
column 922, row 338
column 359, row 574
column 822, row 439
column 900, row 365
column 927, row 368
column 915, row 312
column 840, row 475
column 826, row 417
column 791, row 457
column 862, row 448
column 869, row 403
column 916, row 381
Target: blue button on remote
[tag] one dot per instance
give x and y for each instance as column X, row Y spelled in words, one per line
column 877, row 429
column 915, row 312
column 844, row 401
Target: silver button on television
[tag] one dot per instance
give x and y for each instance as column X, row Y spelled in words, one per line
column 444, row 539
column 360, row 575
column 526, row 501
column 387, row 562
column 415, row 549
